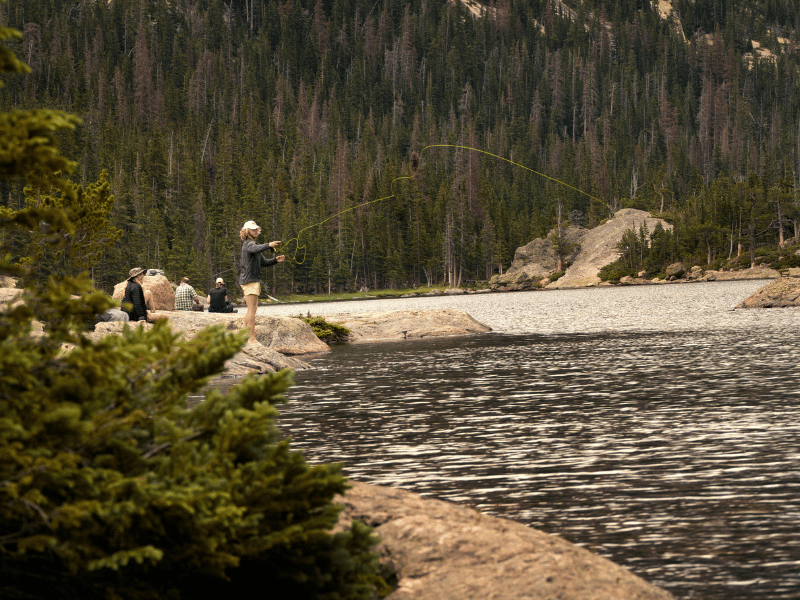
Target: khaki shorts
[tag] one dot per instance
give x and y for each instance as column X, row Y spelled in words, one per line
column 251, row 289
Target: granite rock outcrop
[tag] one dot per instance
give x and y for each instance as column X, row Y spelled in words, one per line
column 599, row 247
column 593, row 249
column 780, row 293
column 408, row 324
column 537, row 259
column 281, row 339
column 287, row 335
column 443, row 551
column 535, row 262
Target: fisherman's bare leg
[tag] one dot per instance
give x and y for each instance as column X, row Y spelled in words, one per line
column 251, row 300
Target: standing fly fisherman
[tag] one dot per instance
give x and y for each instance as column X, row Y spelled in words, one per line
column 249, row 276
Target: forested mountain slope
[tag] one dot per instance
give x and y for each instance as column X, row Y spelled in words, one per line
column 316, row 118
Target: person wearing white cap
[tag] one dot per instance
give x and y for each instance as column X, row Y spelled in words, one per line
column 249, row 276
column 218, row 298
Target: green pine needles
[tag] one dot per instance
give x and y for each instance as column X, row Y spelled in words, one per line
column 110, row 487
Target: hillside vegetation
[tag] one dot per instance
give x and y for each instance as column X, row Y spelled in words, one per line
column 316, row 118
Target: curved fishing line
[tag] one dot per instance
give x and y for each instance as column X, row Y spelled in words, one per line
column 296, row 239
column 516, row 164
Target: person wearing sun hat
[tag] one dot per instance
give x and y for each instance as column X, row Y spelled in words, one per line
column 250, row 272
column 134, row 302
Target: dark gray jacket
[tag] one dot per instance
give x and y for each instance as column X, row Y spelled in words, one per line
column 253, row 260
column 134, row 297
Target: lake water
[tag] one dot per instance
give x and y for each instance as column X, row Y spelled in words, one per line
column 655, row 425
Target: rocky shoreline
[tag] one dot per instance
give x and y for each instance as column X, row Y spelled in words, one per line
column 284, row 339
column 535, row 265
column 676, row 273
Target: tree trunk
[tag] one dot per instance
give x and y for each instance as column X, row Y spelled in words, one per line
column 730, row 249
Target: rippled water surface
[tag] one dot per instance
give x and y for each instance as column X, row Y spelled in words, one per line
column 653, row 425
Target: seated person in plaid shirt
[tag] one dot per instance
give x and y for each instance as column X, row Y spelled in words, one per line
column 184, row 294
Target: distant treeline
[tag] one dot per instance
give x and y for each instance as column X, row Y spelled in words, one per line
column 313, row 117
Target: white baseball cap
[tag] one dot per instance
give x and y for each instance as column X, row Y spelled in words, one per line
column 219, row 280
column 251, row 225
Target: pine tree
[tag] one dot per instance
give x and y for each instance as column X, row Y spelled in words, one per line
column 78, row 250
column 110, row 485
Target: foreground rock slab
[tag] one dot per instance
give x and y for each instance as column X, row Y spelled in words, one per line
column 287, row 335
column 281, row 339
column 256, row 358
column 443, row 551
column 778, row 293
column 408, row 324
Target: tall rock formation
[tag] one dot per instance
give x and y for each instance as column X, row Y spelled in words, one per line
column 593, row 249
column 599, row 247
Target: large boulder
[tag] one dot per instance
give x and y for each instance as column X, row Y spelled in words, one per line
column 253, row 358
column 288, row 335
column 442, row 550
column 675, row 271
column 537, row 260
column 408, row 324
column 592, row 250
column 527, row 278
column 161, row 288
column 778, row 293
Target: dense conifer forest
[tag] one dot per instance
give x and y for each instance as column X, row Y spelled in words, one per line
column 317, row 119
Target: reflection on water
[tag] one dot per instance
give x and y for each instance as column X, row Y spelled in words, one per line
column 674, row 451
